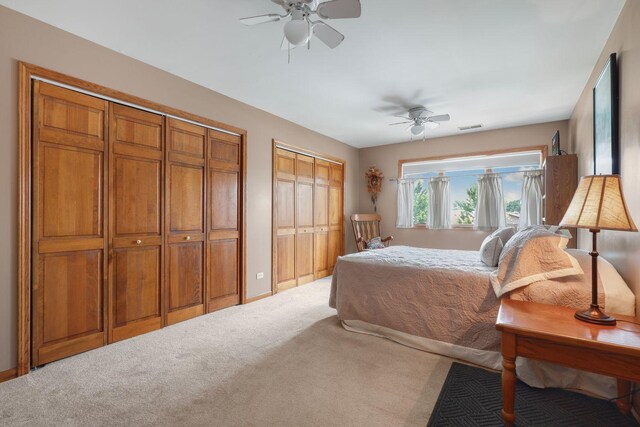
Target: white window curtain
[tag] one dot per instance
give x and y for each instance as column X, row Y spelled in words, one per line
column 405, row 203
column 490, row 211
column 531, row 199
column 439, row 203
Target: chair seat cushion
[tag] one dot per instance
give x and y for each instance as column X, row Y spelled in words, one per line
column 375, row 243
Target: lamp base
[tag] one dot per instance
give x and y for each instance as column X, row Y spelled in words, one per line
column 595, row 315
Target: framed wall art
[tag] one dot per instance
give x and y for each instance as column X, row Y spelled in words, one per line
column 606, row 156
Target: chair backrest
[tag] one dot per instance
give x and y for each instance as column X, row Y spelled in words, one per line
column 365, row 226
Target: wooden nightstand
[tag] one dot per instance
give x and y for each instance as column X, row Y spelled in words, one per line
column 551, row 333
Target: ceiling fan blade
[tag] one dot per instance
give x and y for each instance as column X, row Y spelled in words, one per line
column 401, row 123
column 280, row 2
column 440, row 118
column 339, row 9
column 327, row 34
column 401, row 116
column 431, row 125
column 261, row 19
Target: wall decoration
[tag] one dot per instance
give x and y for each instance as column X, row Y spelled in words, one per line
column 555, row 144
column 606, row 157
column 374, row 184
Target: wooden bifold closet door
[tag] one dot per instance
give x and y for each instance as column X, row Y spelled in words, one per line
column 321, row 212
column 223, row 234
column 285, row 223
column 336, row 217
column 308, row 206
column 185, row 225
column 136, row 222
column 304, row 219
column 68, row 226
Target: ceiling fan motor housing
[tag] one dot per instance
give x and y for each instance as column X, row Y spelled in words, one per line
column 419, row 112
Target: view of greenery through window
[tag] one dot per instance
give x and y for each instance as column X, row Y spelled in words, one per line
column 464, row 194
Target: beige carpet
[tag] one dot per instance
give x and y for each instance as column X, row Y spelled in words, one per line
column 283, row 361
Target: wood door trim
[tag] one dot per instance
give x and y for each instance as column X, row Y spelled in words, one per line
column 25, row 73
column 9, row 374
column 275, row 145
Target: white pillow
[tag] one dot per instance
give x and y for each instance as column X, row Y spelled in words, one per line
column 531, row 255
column 490, row 250
column 505, row 233
column 619, row 298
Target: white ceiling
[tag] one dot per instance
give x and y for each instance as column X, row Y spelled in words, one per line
column 497, row 62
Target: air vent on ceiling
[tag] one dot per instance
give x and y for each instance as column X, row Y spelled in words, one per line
column 470, row 127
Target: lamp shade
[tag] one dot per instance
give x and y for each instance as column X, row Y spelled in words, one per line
column 598, row 204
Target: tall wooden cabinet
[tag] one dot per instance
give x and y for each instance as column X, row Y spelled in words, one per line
column 560, row 182
column 137, row 221
column 307, row 217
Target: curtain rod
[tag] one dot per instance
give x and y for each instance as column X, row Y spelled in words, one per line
column 469, row 174
column 129, row 104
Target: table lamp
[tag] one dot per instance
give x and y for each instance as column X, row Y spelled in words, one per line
column 598, row 204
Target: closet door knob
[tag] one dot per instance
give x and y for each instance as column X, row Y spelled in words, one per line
column 187, row 238
column 138, row 242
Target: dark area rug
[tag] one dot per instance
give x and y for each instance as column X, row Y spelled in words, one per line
column 473, row 397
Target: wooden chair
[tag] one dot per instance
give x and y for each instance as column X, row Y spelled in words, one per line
column 365, row 228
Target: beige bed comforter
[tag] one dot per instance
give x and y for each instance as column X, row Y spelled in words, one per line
column 443, row 295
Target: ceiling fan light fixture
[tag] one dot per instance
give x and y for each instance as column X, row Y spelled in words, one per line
column 297, row 32
column 417, row 129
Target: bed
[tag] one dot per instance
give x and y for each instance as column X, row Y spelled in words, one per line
column 442, row 301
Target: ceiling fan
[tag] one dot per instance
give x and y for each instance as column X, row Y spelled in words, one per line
column 299, row 30
column 419, row 119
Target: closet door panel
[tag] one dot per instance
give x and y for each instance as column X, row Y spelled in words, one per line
column 285, row 219
column 186, row 192
column 336, row 214
column 321, row 215
column 186, row 271
column 187, row 198
column 70, row 174
column 72, row 292
column 304, row 219
column 224, row 200
column 136, row 206
column 224, row 204
column 137, row 283
column 223, row 274
column 321, row 254
column 137, row 194
column 68, row 223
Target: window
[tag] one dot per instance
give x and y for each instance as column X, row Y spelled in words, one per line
column 463, row 175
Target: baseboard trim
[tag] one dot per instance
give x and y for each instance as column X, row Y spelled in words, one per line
column 258, row 297
column 9, row 374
